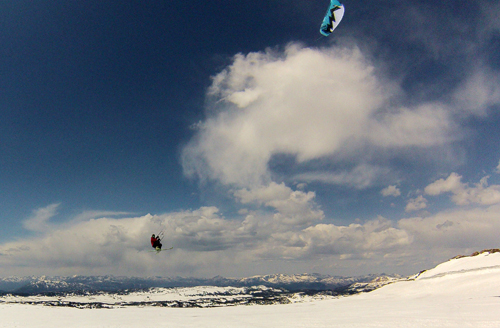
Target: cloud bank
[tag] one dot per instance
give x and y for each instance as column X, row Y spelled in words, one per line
column 292, row 239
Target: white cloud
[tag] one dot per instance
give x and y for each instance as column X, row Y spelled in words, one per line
column 120, row 245
column 479, row 91
column 451, row 184
column 462, row 194
column 264, row 194
column 205, row 243
column 475, row 228
column 361, row 177
column 425, row 125
column 391, row 191
column 308, row 103
column 416, row 204
column 89, row 215
column 39, row 221
column 322, row 107
column 293, row 207
column 372, row 236
column 498, row 167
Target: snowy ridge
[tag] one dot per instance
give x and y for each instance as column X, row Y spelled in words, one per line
column 480, row 261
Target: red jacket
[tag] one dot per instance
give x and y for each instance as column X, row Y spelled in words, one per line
column 153, row 241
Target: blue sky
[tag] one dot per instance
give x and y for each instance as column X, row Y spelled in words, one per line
column 257, row 145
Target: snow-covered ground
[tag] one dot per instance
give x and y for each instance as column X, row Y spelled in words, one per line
column 203, row 296
column 461, row 293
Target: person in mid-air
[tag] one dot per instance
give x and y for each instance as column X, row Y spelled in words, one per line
column 155, row 242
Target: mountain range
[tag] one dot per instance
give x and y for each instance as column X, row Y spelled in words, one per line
column 297, row 282
column 312, row 283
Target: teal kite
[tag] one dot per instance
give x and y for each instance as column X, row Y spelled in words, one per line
column 332, row 18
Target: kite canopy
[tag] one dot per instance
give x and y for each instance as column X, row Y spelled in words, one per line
column 332, row 18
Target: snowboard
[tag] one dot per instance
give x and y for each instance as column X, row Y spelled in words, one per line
column 159, row 250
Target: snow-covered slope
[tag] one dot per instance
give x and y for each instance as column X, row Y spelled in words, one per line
column 483, row 262
column 460, row 293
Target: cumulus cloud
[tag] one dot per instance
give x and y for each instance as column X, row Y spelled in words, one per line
column 120, row 245
column 308, row 103
column 206, row 243
column 264, row 194
column 373, row 236
column 107, row 245
column 391, row 191
column 452, row 183
column 293, row 207
column 462, row 193
column 330, row 111
column 416, row 204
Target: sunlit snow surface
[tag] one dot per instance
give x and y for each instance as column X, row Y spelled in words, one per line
column 461, row 293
